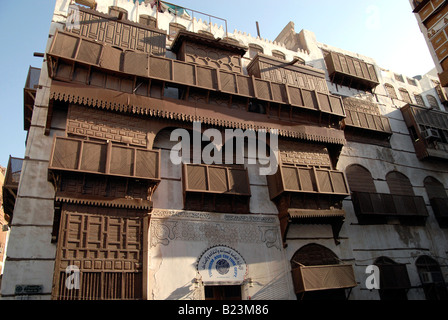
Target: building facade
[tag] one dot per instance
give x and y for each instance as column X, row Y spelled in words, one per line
column 433, row 22
column 348, row 169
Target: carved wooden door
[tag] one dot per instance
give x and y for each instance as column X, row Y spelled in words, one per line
column 105, row 244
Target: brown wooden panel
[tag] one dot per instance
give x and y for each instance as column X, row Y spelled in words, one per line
column 399, row 184
column 122, row 161
column 66, row 154
column 238, row 181
column 184, row 73
column 438, row 40
column 307, row 179
column 196, row 177
column 291, row 178
column 324, row 102
column 339, row 182
column 218, row 179
column 65, row 45
column 124, row 33
column 147, row 164
column 442, row 51
column 295, row 96
column 309, row 99
column 263, row 90
column 160, row 68
column 94, row 157
column 360, row 179
column 279, row 93
column 106, row 245
column 228, row 82
column 336, row 105
column 89, row 52
column 323, row 181
column 426, row 11
column 135, row 63
column 430, row 22
column 206, row 77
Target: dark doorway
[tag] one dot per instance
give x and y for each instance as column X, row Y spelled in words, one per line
column 223, row 293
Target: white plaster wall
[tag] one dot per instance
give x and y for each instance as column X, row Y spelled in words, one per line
column 178, row 238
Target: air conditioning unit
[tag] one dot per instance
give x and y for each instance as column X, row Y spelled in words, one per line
column 426, row 277
column 431, row 134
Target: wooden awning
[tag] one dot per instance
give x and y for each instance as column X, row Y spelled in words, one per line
column 307, row 213
column 188, row 111
column 140, row 204
column 315, row 278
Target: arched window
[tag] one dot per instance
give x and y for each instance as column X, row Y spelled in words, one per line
column 314, row 255
column 175, row 28
column 399, row 184
column 390, row 91
column 394, row 279
column 118, row 12
column 438, row 199
column 431, row 278
column 419, row 100
column 147, row 20
column 405, row 95
column 434, row 188
column 432, row 102
column 359, row 179
column 254, row 49
column 278, row 54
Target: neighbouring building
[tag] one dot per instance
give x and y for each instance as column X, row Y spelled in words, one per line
column 4, row 221
column 103, row 210
column 432, row 18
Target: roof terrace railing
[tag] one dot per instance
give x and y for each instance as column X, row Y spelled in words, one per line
column 179, row 10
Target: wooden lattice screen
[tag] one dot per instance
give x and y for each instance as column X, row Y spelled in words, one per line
column 106, row 245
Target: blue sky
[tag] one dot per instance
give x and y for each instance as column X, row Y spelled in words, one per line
column 381, row 29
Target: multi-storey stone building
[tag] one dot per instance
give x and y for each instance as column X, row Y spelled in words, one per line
column 360, row 173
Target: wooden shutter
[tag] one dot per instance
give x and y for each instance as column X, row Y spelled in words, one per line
column 399, row 184
column 360, row 179
column 106, row 245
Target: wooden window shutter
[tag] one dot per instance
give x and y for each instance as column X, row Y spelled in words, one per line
column 432, row 102
column 399, row 184
column 360, row 179
column 405, row 95
column 391, row 91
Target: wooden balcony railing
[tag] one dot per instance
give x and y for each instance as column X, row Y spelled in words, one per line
column 11, row 184
column 380, row 204
column 75, row 58
column 216, row 179
column 314, row 278
column 351, row 72
column 429, row 131
column 125, row 34
column 307, row 180
column 371, row 122
column 29, row 95
column 365, row 115
column 84, row 156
